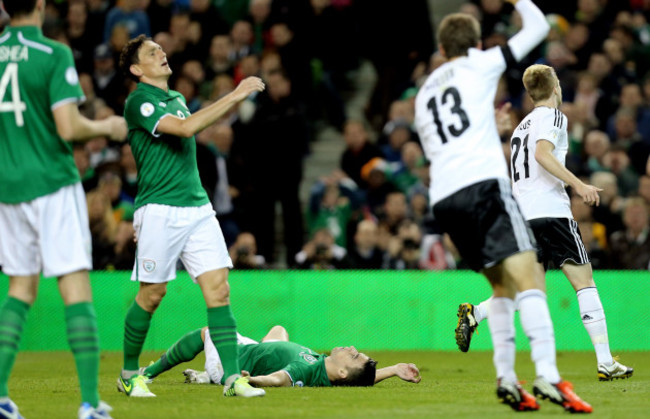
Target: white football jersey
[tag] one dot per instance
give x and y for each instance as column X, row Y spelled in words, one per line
column 454, row 116
column 539, row 193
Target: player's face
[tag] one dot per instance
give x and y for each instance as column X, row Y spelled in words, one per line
column 348, row 357
column 153, row 61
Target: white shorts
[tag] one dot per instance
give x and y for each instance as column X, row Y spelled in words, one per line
column 49, row 234
column 165, row 233
column 213, row 365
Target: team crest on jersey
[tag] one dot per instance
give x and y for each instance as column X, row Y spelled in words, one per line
column 149, row 265
column 308, row 357
column 146, row 109
column 71, row 76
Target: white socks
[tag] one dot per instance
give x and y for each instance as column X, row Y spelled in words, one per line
column 536, row 322
column 481, row 310
column 593, row 317
column 212, row 361
column 501, row 321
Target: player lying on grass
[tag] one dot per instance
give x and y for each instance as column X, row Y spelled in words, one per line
column 277, row 362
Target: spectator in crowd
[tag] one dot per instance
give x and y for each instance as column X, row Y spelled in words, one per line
column 594, row 234
column 244, row 253
column 129, row 173
column 596, row 146
column 359, row 151
column 404, row 248
column 110, row 185
column 321, row 253
column 107, row 82
column 103, row 228
column 644, row 189
column 630, row 248
column 82, row 161
column 333, row 213
column 395, row 211
column 365, row 253
column 129, row 14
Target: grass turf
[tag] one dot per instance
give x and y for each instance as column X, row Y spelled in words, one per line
column 44, row 385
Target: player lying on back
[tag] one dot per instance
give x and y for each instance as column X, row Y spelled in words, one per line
column 277, row 362
column 539, row 147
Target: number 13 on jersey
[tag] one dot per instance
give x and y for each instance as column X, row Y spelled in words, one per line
column 451, row 96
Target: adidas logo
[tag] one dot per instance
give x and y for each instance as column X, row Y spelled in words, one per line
column 587, row 317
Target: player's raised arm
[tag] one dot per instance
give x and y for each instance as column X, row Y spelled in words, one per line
column 72, row 126
column 534, row 29
column 186, row 128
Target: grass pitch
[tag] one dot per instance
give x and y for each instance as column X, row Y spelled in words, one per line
column 44, row 385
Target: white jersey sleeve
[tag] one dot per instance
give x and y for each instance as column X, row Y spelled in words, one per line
column 454, row 116
column 539, row 193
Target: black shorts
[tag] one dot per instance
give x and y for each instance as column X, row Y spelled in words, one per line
column 485, row 223
column 558, row 240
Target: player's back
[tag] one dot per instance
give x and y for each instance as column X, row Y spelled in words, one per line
column 539, row 193
column 36, row 76
column 455, row 120
column 268, row 357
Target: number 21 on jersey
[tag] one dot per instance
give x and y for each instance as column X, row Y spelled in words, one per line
column 450, row 94
column 14, row 105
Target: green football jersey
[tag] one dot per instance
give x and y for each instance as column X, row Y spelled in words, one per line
column 304, row 366
column 36, row 76
column 167, row 170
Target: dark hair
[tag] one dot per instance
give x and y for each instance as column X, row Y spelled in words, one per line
column 458, row 32
column 361, row 377
column 129, row 56
column 17, row 8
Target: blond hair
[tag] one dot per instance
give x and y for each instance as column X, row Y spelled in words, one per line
column 458, row 33
column 539, row 81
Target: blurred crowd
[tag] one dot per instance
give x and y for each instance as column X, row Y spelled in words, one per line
column 371, row 211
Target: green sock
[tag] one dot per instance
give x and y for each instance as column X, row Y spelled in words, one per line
column 184, row 350
column 136, row 326
column 224, row 336
column 81, row 324
column 13, row 314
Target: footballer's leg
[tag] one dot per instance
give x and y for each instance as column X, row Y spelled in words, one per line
column 13, row 316
column 184, row 350
column 222, row 330
column 593, row 318
column 81, row 328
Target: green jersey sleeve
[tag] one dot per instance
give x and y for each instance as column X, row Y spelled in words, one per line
column 64, row 83
column 307, row 374
column 144, row 112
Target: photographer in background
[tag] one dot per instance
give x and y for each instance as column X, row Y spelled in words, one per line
column 321, row 253
column 244, row 253
column 404, row 248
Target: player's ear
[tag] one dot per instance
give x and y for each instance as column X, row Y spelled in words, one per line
column 342, row 373
column 442, row 50
column 135, row 70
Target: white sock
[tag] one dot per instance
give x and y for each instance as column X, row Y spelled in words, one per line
column 481, row 310
column 212, row 360
column 536, row 321
column 593, row 317
column 501, row 321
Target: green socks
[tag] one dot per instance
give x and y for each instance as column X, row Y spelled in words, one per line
column 81, row 325
column 224, row 336
column 136, row 326
column 13, row 314
column 184, row 350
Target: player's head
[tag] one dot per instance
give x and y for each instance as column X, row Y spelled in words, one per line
column 458, row 33
column 21, row 8
column 142, row 57
column 541, row 83
column 352, row 368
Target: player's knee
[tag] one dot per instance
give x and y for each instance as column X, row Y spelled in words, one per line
column 280, row 332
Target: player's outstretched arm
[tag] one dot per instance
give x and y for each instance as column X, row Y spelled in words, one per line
column 534, row 29
column 544, row 156
column 72, row 126
column 188, row 127
column 407, row 372
column 276, row 379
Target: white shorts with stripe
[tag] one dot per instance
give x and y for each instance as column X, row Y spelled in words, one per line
column 49, row 234
column 165, row 233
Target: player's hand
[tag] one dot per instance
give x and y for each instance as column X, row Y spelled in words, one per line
column 245, row 373
column 589, row 194
column 248, row 86
column 408, row 372
column 118, row 128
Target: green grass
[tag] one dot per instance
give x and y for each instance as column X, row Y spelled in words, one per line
column 44, row 385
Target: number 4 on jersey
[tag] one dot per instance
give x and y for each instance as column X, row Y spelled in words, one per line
column 14, row 105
